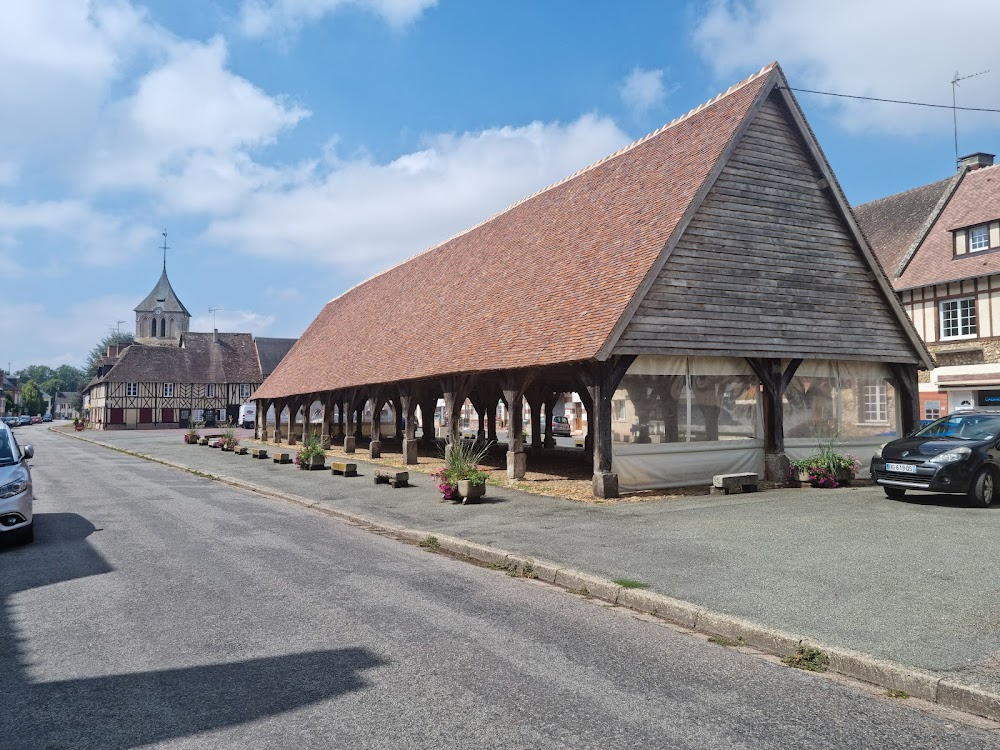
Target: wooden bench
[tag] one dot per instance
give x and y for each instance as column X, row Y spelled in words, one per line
column 240, row 450
column 723, row 484
column 282, row 458
column 259, row 453
column 392, row 477
column 342, row 467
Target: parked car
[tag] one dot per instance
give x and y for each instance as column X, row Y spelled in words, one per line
column 560, row 427
column 36, row 419
column 24, row 419
column 16, row 499
column 47, row 418
column 958, row 454
column 10, row 421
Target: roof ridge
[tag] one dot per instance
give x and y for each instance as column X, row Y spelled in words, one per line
column 584, row 170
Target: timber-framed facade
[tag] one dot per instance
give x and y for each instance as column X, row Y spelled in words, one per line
column 727, row 298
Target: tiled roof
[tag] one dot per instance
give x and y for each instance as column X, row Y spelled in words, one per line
column 198, row 360
column 894, row 223
column 976, row 200
column 541, row 283
column 271, row 351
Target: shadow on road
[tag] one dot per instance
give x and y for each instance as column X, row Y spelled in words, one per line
column 136, row 709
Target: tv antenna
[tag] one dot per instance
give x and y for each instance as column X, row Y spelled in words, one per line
column 954, row 103
column 213, row 310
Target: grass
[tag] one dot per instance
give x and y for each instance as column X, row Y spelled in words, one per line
column 630, row 583
column 809, row 659
column 429, row 542
column 728, row 642
column 897, row 694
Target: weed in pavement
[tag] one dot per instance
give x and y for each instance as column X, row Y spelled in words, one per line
column 429, row 542
column 630, row 583
column 897, row 693
column 723, row 641
column 809, row 659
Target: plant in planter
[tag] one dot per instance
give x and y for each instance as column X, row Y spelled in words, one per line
column 192, row 436
column 828, row 467
column 311, row 453
column 461, row 475
column 229, row 441
column 79, row 423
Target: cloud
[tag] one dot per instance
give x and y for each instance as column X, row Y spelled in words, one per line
column 367, row 216
column 643, row 90
column 897, row 49
column 233, row 321
column 281, row 17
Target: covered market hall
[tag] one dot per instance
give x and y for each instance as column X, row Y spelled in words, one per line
column 706, row 291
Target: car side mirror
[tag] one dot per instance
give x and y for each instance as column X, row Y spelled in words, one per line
column 28, row 451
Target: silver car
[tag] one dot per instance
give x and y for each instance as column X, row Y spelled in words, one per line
column 16, row 519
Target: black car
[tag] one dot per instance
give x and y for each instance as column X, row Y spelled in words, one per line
column 959, row 454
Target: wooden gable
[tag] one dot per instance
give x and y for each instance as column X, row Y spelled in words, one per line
column 769, row 265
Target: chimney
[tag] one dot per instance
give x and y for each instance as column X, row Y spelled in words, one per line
column 215, row 335
column 977, row 160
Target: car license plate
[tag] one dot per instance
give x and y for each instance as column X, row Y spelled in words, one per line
column 901, row 468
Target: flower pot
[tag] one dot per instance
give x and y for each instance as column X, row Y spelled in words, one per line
column 79, row 428
column 803, row 476
column 469, row 491
column 313, row 462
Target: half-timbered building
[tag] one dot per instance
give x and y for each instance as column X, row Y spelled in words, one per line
column 727, row 312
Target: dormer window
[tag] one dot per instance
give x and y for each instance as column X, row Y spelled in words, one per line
column 979, row 237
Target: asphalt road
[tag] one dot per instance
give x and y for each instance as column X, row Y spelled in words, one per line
column 164, row 610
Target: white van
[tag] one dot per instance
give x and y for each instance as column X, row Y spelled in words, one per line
column 247, row 416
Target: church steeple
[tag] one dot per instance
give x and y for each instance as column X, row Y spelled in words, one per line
column 161, row 315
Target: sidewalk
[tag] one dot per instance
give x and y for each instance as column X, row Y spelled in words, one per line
column 916, row 583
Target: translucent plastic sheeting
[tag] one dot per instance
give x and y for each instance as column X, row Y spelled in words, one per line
column 681, row 420
column 850, row 404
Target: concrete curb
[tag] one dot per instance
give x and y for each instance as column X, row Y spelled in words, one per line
column 856, row 665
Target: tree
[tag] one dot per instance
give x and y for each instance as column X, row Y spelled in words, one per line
column 31, row 398
column 38, row 373
column 94, row 359
column 70, row 378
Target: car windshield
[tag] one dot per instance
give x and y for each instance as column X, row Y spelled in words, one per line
column 963, row 427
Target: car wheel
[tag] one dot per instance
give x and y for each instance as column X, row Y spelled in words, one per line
column 894, row 493
column 983, row 489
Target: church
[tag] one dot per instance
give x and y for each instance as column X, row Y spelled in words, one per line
column 172, row 377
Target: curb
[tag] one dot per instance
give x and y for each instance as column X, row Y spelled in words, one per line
column 859, row 666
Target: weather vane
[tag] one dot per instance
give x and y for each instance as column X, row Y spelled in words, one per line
column 165, row 248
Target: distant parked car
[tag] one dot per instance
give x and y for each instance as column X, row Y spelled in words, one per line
column 36, row 419
column 16, row 499
column 24, row 419
column 47, row 418
column 560, row 427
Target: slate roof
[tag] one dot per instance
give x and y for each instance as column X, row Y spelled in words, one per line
column 969, row 198
column 541, row 283
column 198, row 360
column 163, row 296
column 893, row 224
column 271, row 351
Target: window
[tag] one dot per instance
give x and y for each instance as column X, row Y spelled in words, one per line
column 979, row 238
column 131, row 389
column 874, row 403
column 168, row 390
column 244, row 391
column 958, row 318
column 210, row 390
column 618, row 407
column 163, row 328
column 932, row 409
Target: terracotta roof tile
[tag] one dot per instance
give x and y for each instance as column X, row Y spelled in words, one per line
column 541, row 283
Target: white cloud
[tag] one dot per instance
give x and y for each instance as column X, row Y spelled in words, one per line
column 73, row 332
column 233, row 321
column 281, row 17
column 897, row 49
column 643, row 90
column 368, row 215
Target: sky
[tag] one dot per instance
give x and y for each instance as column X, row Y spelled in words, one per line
column 290, row 149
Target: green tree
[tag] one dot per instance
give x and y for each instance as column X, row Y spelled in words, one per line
column 31, row 398
column 70, row 378
column 94, row 359
column 38, row 373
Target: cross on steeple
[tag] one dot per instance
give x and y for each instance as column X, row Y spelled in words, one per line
column 165, row 248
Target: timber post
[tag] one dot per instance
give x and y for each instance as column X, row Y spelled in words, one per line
column 775, row 382
column 514, row 387
column 279, row 409
column 375, row 445
column 602, row 380
column 908, row 393
column 350, row 440
column 408, row 402
column 550, row 404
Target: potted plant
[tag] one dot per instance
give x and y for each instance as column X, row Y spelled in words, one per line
column 311, row 455
column 828, row 467
column 191, row 437
column 229, row 441
column 78, row 424
column 461, row 476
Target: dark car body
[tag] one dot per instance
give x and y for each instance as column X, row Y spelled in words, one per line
column 959, row 454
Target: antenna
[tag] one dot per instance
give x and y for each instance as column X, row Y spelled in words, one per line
column 954, row 108
column 165, row 248
column 120, row 327
column 213, row 310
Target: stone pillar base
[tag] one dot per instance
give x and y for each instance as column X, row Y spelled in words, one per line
column 349, row 444
column 277, row 435
column 605, row 484
column 776, row 467
column 410, row 450
column 375, row 449
column 291, row 438
column 517, row 464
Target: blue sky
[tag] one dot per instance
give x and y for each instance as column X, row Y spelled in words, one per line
column 292, row 148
